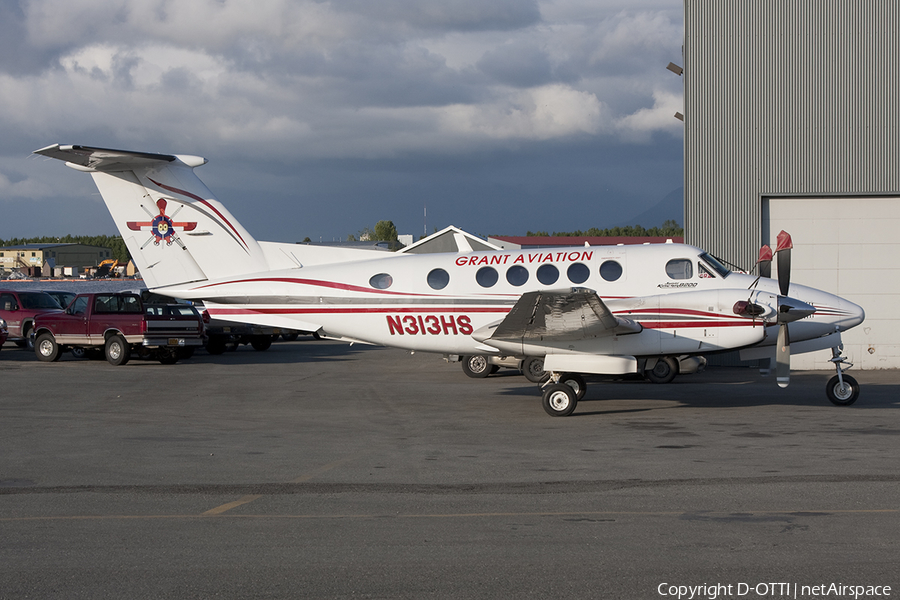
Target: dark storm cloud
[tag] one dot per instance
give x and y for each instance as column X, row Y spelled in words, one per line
column 519, row 63
column 448, row 15
column 349, row 109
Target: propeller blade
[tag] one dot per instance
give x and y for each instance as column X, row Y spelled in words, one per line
column 765, row 261
column 783, row 252
column 783, row 357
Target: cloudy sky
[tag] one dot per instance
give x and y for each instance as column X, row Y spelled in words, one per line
column 321, row 117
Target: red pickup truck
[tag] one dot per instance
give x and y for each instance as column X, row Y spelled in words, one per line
column 19, row 310
column 121, row 325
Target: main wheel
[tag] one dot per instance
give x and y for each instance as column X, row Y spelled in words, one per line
column 664, row 371
column 559, row 400
column 290, row 336
column 46, row 348
column 533, row 369
column 576, row 382
column 476, row 366
column 842, row 395
column 117, row 350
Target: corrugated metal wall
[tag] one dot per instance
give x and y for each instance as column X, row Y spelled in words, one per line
column 797, row 97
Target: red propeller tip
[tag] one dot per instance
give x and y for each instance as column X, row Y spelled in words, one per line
column 765, row 253
column 784, row 241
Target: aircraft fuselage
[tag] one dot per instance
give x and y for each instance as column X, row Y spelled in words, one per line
column 683, row 299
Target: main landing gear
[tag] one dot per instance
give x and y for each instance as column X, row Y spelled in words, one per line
column 562, row 391
column 841, row 390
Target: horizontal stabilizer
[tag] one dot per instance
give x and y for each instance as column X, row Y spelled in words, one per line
column 108, row 160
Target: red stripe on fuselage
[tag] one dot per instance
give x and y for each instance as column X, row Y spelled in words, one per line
column 321, row 283
column 348, row 311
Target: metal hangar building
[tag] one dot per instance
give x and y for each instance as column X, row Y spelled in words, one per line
column 792, row 121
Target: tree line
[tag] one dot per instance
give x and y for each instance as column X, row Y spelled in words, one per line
column 669, row 228
column 113, row 242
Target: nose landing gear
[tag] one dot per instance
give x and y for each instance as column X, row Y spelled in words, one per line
column 842, row 390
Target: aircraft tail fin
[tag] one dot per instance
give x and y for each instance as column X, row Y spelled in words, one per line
column 175, row 229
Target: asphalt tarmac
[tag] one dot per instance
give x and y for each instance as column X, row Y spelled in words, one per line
column 321, row 470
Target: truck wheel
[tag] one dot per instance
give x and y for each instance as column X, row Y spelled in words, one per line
column 117, row 350
column 28, row 339
column 46, row 348
column 261, row 342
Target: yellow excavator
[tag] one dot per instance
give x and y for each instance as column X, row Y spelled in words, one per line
column 107, row 269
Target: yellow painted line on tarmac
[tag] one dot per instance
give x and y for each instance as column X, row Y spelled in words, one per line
column 250, row 498
column 226, row 507
column 324, row 469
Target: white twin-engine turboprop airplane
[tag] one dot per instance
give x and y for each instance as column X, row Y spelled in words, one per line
column 584, row 310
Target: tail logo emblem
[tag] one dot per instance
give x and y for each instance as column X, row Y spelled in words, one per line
column 162, row 227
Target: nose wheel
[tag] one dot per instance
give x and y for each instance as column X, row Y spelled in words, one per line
column 842, row 390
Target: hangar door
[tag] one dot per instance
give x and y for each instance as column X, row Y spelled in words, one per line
column 850, row 247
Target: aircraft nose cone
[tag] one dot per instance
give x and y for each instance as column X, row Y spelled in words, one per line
column 854, row 314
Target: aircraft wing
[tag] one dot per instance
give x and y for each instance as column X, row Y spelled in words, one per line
column 560, row 316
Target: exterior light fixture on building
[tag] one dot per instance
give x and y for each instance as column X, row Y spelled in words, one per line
column 675, row 68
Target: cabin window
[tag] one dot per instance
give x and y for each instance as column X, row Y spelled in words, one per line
column 382, row 281
column 610, row 270
column 487, row 276
column 578, row 273
column 438, row 279
column 517, row 275
column 547, row 274
column 680, row 268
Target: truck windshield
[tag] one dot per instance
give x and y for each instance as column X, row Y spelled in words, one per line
column 715, row 265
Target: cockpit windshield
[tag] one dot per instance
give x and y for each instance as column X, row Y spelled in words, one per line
column 715, row 265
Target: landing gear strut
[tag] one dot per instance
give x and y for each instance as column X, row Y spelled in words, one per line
column 841, row 390
column 562, row 391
